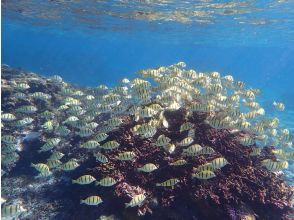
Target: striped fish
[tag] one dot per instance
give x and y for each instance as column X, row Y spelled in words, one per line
column 92, row 125
column 219, row 162
column 178, row 163
column 28, row 109
column 9, row 148
column 243, row 125
column 127, row 155
column 186, row 141
column 12, row 211
column 186, row 126
column 274, row 166
column 216, row 123
column 88, row 118
column 7, row 117
column 162, row 140
column 72, row 101
column 75, row 110
column 114, row 122
column 107, row 181
column 101, row 137
column 62, row 131
column 83, row 180
column 137, row 200
column 92, row 200
column 50, row 144
column 204, row 167
column 206, row 151
column 20, row 95
column 110, row 145
column 90, row 144
column 53, row 163
column 101, row 158
column 23, row 122
column 69, row 165
column 40, row 95
column 169, row 183
column 246, row 141
column 85, row 132
column 47, row 115
column 8, row 139
column 255, row 152
column 192, row 150
column 41, row 167
column 22, row 86
column 204, row 175
column 55, row 155
column 147, row 112
column 148, row 168
column 44, row 174
column 146, row 130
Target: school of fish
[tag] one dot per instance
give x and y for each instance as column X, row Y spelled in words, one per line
column 72, row 112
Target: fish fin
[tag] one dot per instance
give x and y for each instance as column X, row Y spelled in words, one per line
column 137, row 117
column 165, row 122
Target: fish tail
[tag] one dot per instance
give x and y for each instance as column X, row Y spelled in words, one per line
column 32, row 165
column 127, row 205
column 82, row 201
column 73, row 181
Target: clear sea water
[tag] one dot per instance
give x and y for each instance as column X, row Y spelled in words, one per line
column 99, row 42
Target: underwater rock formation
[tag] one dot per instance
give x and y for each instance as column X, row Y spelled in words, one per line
column 245, row 186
